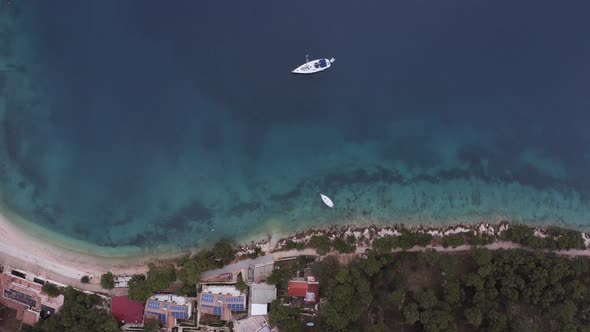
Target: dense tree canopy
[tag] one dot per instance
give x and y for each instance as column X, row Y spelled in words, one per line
column 280, row 277
column 284, row 316
column 81, row 312
column 158, row 278
column 557, row 238
column 503, row 290
column 189, row 272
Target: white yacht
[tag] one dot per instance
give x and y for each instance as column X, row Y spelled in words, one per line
column 327, row 200
column 313, row 66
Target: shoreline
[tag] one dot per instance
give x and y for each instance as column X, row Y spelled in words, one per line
column 31, row 248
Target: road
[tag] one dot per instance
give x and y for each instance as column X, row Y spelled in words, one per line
column 245, row 264
column 268, row 258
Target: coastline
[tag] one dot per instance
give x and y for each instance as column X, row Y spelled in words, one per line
column 45, row 253
column 31, row 248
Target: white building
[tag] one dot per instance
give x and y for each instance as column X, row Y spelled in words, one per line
column 261, row 295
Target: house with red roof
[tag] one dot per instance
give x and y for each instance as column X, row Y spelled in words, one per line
column 307, row 288
column 126, row 310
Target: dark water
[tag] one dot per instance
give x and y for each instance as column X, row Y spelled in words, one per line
column 149, row 122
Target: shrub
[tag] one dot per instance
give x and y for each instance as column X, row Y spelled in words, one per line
column 453, row 240
column 321, row 243
column 409, row 239
column 479, row 240
column 290, row 245
column 385, row 244
column 85, row 279
column 343, row 246
column 51, row 289
column 107, row 280
column 280, row 278
column 241, row 284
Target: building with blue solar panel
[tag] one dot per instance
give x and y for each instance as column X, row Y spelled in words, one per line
column 221, row 301
column 168, row 309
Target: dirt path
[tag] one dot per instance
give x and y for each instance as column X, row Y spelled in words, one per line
column 271, row 257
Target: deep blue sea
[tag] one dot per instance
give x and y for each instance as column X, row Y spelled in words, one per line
column 150, row 122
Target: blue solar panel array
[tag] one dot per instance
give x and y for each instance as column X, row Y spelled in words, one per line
column 180, row 315
column 235, row 300
column 179, row 308
column 216, row 310
column 161, row 317
column 207, row 297
column 236, row 307
column 153, row 305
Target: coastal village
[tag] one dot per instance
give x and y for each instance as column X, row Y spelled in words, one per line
column 252, row 282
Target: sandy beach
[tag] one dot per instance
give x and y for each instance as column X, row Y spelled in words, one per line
column 30, row 249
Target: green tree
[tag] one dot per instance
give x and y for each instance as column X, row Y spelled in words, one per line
column 80, row 312
column 292, row 325
column 453, row 293
column 426, row 298
column 481, row 256
column 139, row 289
column 241, row 284
column 437, row 320
column 224, row 252
column 518, row 233
column 385, row 244
column 497, row 321
column 479, row 240
column 158, row 278
column 411, row 313
column 371, row 265
column 343, row 246
column 280, row 277
column 107, row 280
column 397, row 298
column 85, row 279
column 566, row 311
column 189, row 273
column 151, row 325
column 321, row 243
column 453, row 240
column 279, row 314
column 473, row 316
column 51, row 289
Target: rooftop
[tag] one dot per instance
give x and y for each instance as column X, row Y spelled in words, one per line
column 310, row 290
column 31, row 289
column 263, row 293
column 169, row 298
column 229, row 290
column 167, row 309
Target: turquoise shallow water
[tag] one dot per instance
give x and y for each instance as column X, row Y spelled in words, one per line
column 143, row 124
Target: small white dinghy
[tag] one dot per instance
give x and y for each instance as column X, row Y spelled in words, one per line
column 327, row 200
column 313, row 66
